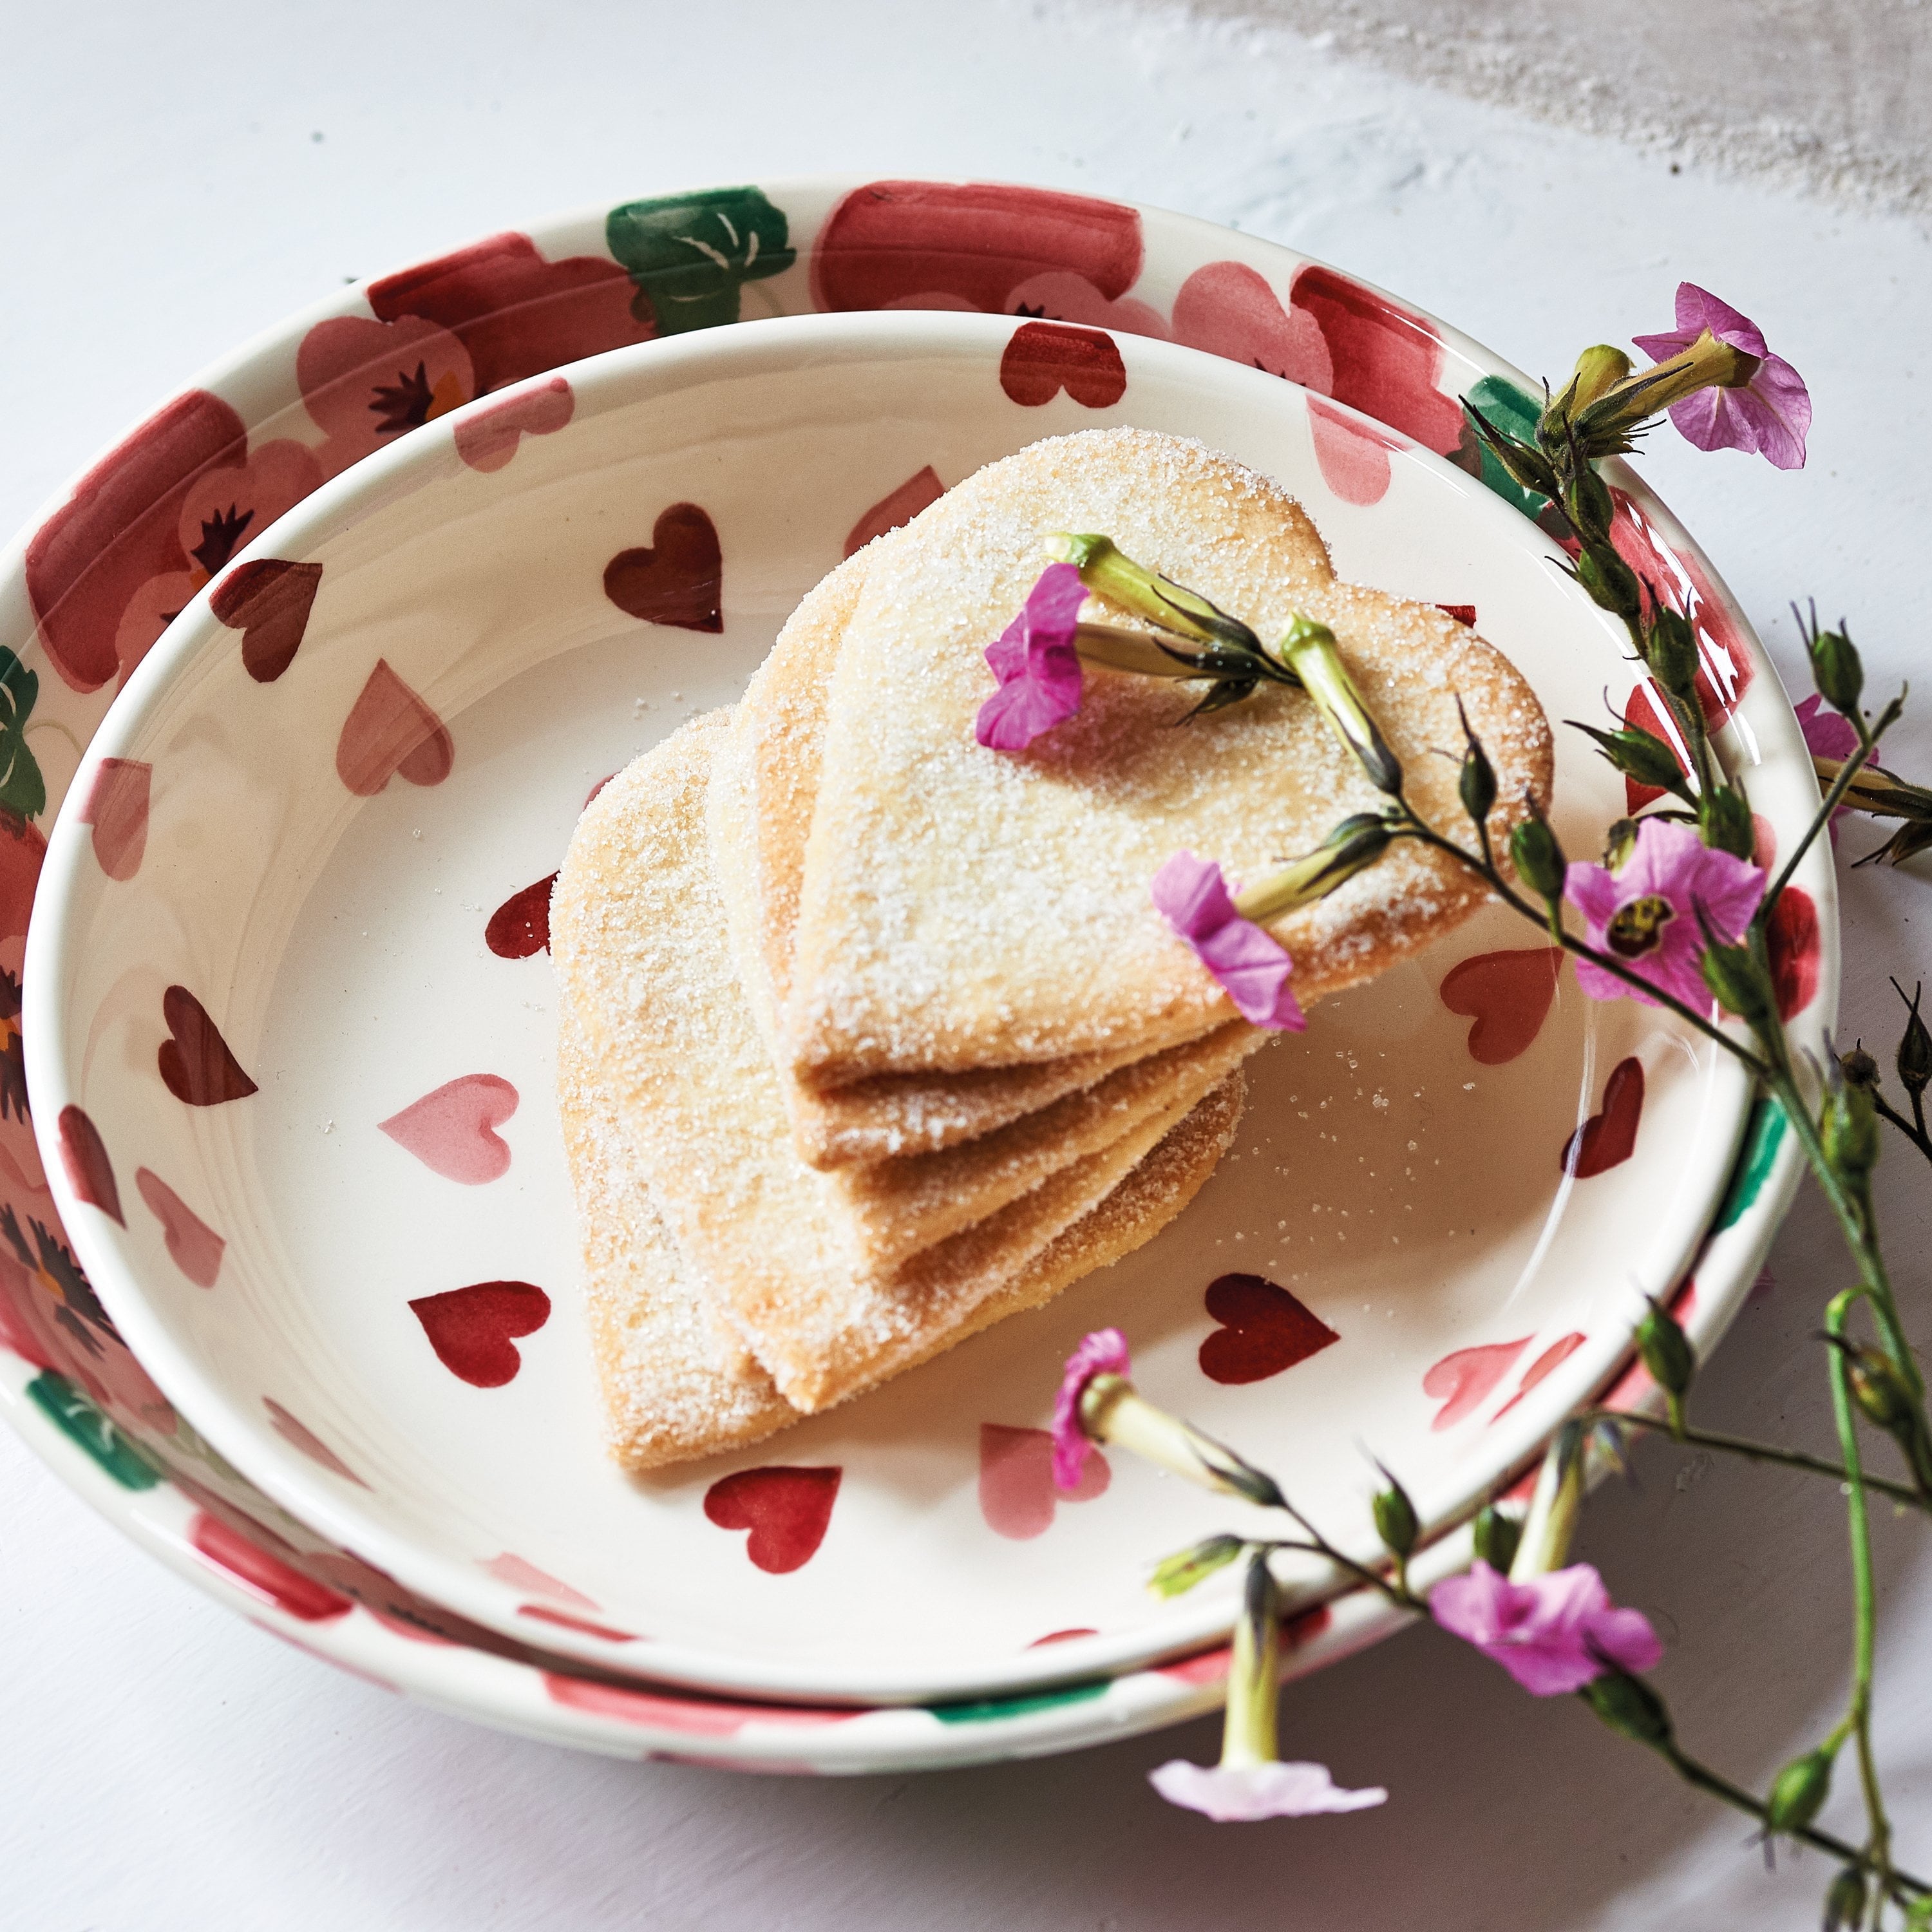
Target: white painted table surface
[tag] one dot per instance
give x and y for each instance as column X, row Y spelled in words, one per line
column 173, row 178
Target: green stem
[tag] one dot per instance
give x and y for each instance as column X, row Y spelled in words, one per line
column 1757, row 1452
column 1864, row 1600
column 1847, row 772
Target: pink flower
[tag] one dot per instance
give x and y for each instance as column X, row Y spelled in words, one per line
column 1554, row 1633
column 1828, row 734
column 1646, row 914
column 1034, row 660
column 1103, row 1353
column 1241, row 1793
column 1252, row 965
column 1768, row 417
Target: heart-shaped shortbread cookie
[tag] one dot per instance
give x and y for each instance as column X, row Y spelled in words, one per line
column 964, row 908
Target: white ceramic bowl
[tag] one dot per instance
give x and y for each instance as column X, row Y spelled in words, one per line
column 264, row 935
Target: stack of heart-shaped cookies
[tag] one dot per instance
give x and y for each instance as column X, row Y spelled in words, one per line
column 871, row 1034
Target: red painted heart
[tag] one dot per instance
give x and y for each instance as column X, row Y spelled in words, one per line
column 1264, row 1330
column 679, row 580
column 1463, row 614
column 1609, row 1136
column 473, row 1330
column 488, row 439
column 1792, row 936
column 195, row 1063
column 1017, row 1495
column 389, row 729
column 452, row 1130
column 1461, row 1382
column 194, row 1246
column 267, row 601
column 261, row 1575
column 901, row 506
column 1508, row 995
column 519, row 927
column 786, row 1511
column 1558, row 1352
column 89, row 1172
column 116, row 807
column 1043, row 357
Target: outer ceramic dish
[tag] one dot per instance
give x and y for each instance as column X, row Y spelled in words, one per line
column 948, row 248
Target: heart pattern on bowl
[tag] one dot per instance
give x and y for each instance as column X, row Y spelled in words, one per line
column 520, row 928
column 1609, row 1137
column 474, row 1330
column 268, row 601
column 786, row 1510
column 452, row 1130
column 117, row 809
column 1508, row 995
column 391, row 730
column 1017, row 1496
column 194, row 1246
column 1043, row 357
column 195, row 1062
column 89, row 1172
column 678, row 579
column 488, row 439
column 1264, row 1330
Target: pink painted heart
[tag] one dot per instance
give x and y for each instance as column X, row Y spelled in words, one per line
column 899, row 506
column 522, row 1574
column 452, row 1130
column 678, row 579
column 1229, row 310
column 194, row 1246
column 89, row 1172
column 1264, row 1329
column 786, row 1511
column 116, row 806
column 300, row 1436
column 520, row 928
column 262, row 1575
column 543, row 1614
column 1609, row 1137
column 1461, row 1382
column 1558, row 1352
column 1508, row 995
column 1017, row 1496
column 1061, row 295
column 474, row 1329
column 195, row 1062
column 267, row 601
column 1353, row 459
column 1043, row 357
column 488, row 439
column 389, row 729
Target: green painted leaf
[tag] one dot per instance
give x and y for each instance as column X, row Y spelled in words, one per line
column 989, row 1710
column 690, row 254
column 81, row 1422
column 23, row 791
column 1762, row 1141
column 1515, row 412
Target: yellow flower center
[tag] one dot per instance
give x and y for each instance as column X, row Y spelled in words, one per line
column 1638, row 928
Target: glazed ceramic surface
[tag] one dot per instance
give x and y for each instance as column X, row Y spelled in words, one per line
column 473, row 696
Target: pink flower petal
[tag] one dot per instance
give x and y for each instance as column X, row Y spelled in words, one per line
column 1103, row 1352
column 1828, row 734
column 1769, row 417
column 1230, row 1794
column 1252, row 965
column 1036, row 663
column 1553, row 1634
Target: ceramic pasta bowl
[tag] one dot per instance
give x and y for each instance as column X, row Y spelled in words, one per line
column 290, row 1281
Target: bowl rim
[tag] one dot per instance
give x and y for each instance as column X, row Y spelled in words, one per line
column 616, row 377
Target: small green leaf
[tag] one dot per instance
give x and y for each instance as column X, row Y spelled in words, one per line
column 1174, row 1575
column 1516, row 412
column 82, row 1423
column 690, row 254
column 23, row 791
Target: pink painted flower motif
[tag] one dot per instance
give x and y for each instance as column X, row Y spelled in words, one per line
column 1252, row 965
column 1232, row 1794
column 1035, row 662
column 1646, row 915
column 1554, row 1634
column 1768, row 417
column 1104, row 1352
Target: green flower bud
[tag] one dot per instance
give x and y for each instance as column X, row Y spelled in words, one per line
column 1666, row 1350
column 1604, row 426
column 1915, row 1048
column 1799, row 1792
column 1848, row 1130
column 1836, row 670
column 1670, row 652
column 1174, row 1575
column 1309, row 649
column 1248, row 1735
column 1639, row 755
column 1845, row 1902
column 1537, row 857
column 1396, row 1521
column 1859, row 1067
column 1358, row 841
column 1527, row 468
column 1589, row 506
column 1599, row 369
column 1497, row 1537
column 1629, row 1707
column 1738, row 981
column 1618, row 843
column 1611, row 583
column 1478, row 784
column 1724, row 821
column 1109, row 572
column 1880, row 1391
